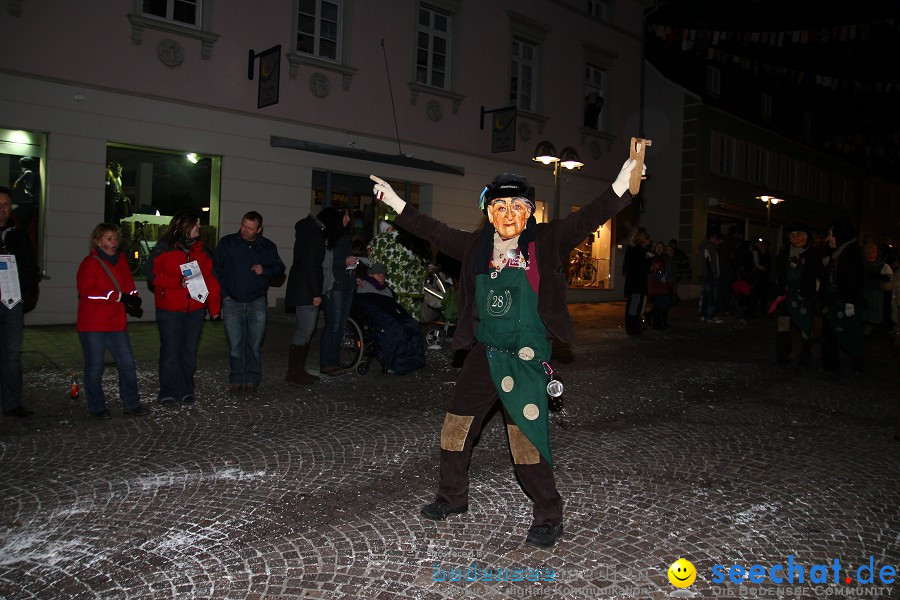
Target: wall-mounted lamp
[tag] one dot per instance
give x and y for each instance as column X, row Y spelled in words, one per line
column 192, row 156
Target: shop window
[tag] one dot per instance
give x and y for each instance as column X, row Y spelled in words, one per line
column 145, row 187
column 21, row 170
column 355, row 193
column 588, row 265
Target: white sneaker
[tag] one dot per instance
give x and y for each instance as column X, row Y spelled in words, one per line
column 716, row 320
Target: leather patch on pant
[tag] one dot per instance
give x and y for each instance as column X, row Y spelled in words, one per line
column 455, row 431
column 784, row 324
column 523, row 451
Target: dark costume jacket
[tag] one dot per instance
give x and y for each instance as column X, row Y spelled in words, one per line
column 552, row 243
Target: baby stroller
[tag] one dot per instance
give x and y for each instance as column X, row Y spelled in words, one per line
column 441, row 298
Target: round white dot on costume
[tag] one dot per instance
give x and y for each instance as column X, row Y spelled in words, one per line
column 526, row 353
column 507, row 384
column 512, row 253
column 531, row 412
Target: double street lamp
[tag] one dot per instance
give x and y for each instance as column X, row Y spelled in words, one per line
column 546, row 153
column 769, row 200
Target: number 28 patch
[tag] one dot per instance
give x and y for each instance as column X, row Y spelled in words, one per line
column 498, row 302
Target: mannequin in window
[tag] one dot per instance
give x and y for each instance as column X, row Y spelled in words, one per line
column 118, row 205
column 25, row 195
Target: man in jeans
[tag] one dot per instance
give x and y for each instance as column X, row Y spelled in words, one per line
column 709, row 275
column 245, row 262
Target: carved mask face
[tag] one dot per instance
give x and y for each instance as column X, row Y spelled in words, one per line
column 509, row 216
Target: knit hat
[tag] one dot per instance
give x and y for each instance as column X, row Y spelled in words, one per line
column 377, row 268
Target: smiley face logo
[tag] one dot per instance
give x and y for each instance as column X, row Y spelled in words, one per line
column 682, row 573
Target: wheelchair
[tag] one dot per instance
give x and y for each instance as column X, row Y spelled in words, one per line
column 357, row 346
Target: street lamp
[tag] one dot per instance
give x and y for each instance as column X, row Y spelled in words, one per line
column 769, row 200
column 546, row 153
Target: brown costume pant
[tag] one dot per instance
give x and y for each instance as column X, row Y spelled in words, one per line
column 473, row 397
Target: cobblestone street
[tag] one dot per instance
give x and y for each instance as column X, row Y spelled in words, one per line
column 690, row 442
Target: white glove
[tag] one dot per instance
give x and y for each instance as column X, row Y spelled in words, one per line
column 620, row 185
column 385, row 193
column 849, row 309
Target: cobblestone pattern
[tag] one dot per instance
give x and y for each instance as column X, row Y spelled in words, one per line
column 686, row 443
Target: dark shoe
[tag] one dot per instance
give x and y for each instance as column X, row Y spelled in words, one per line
column 188, row 400
column 332, row 371
column 234, row 388
column 544, row 536
column 167, row 401
column 138, row 411
column 102, row 415
column 438, row 511
column 250, row 388
column 19, row 411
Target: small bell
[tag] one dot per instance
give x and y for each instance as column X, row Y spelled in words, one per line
column 554, row 388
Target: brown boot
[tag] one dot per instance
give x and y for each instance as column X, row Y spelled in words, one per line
column 297, row 366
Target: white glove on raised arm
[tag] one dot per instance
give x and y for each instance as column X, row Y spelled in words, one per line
column 620, row 185
column 849, row 309
column 385, row 193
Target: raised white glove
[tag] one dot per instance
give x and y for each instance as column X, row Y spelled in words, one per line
column 624, row 178
column 849, row 309
column 385, row 193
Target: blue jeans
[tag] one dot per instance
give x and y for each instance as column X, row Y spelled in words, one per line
column 336, row 308
column 179, row 337
column 307, row 317
column 12, row 323
column 95, row 344
column 245, row 326
column 708, row 297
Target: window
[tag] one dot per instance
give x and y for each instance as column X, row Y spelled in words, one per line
column 183, row 12
column 183, row 18
column 724, row 154
column 762, row 172
column 522, row 68
column 765, row 107
column 145, row 187
column 319, row 28
column 433, row 51
column 790, row 175
column 23, row 169
column 594, row 97
column 599, row 9
column 713, row 81
column 355, row 194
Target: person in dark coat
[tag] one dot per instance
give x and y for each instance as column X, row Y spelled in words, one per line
column 842, row 299
column 245, row 263
column 303, row 294
column 635, row 268
column 512, row 303
column 12, row 314
column 797, row 270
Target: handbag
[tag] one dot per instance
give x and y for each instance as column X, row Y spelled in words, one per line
column 133, row 311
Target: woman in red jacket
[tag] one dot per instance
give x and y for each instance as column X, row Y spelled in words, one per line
column 180, row 272
column 105, row 288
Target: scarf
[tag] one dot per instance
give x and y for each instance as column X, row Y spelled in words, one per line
column 110, row 258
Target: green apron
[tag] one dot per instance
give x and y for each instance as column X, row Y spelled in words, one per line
column 516, row 344
column 800, row 309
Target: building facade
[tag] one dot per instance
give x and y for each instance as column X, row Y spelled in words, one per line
column 129, row 111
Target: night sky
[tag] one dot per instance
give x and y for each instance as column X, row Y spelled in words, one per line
column 840, row 62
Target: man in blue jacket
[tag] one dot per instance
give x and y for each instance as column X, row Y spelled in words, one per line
column 245, row 262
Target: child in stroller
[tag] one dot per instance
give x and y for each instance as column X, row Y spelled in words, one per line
column 386, row 330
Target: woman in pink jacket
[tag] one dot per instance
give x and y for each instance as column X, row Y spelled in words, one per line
column 105, row 288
